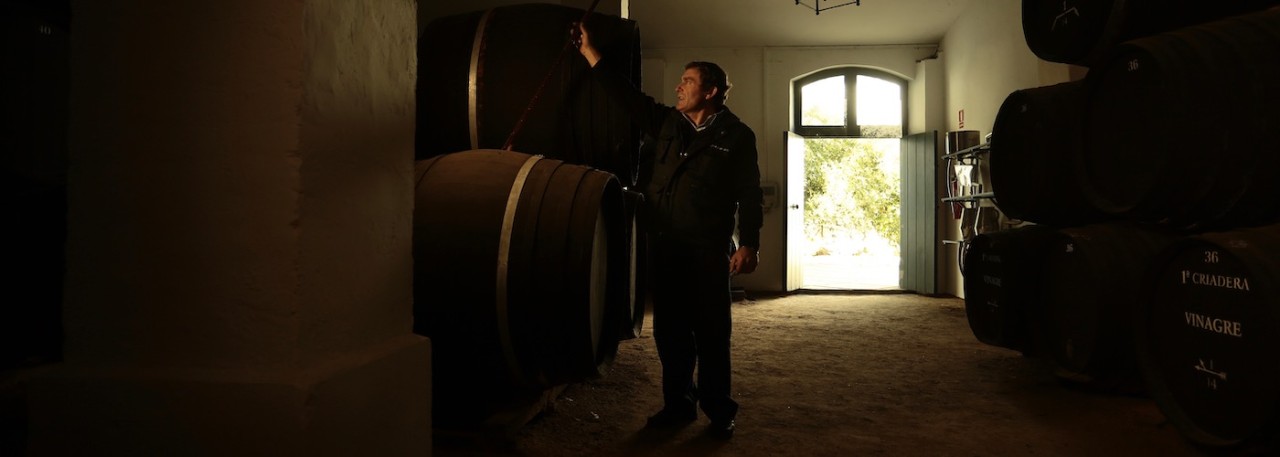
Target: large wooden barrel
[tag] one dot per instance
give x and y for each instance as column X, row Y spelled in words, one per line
column 35, row 74
column 1083, row 32
column 479, row 72
column 512, row 282
column 636, row 268
column 1001, row 286
column 35, row 268
column 1035, row 145
column 1208, row 336
column 1179, row 128
column 1089, row 290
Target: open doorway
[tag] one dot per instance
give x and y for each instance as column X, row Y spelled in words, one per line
column 844, row 164
column 852, row 228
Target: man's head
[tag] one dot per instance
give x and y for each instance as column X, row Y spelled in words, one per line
column 703, row 85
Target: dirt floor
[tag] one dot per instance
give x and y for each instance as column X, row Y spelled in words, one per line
column 849, row 375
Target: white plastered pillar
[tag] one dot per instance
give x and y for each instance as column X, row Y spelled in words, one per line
column 239, row 252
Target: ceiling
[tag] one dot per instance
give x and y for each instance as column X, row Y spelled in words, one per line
column 751, row 23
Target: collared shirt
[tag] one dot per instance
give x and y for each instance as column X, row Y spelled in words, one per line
column 696, row 129
column 710, row 119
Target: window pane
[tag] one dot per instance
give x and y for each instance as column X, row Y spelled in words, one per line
column 824, row 103
column 879, row 107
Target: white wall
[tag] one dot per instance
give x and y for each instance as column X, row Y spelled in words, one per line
column 986, row 59
column 239, row 261
column 925, row 113
column 926, row 98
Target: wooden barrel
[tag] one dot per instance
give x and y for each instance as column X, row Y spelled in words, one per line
column 35, row 270
column 1089, row 290
column 1179, row 124
column 512, row 256
column 479, row 72
column 1207, row 337
column 1035, row 145
column 1083, row 32
column 1001, row 285
column 637, row 265
column 34, row 86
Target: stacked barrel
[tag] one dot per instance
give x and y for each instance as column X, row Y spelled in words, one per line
column 35, row 87
column 1149, row 189
column 527, row 261
column 508, row 78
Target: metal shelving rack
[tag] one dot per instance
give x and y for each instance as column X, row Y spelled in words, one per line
column 971, row 198
column 968, row 156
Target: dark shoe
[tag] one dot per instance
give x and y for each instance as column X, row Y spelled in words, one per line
column 668, row 418
column 721, row 430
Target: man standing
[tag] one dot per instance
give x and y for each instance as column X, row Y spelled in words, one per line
column 701, row 172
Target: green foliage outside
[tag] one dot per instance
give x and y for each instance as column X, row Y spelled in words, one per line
column 848, row 193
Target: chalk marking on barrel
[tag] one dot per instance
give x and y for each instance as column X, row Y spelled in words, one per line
column 504, row 254
column 1210, row 371
column 1064, row 17
column 473, row 80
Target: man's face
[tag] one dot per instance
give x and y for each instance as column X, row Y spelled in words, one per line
column 689, row 94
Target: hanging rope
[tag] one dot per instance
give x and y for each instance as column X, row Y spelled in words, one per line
column 534, row 101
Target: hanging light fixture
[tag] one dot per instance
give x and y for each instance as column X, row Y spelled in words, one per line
column 818, row 7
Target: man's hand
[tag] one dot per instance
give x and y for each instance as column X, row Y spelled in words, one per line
column 583, row 40
column 744, row 260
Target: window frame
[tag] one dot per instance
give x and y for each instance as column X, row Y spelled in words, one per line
column 851, row 129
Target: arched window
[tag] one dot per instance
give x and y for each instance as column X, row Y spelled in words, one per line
column 849, row 102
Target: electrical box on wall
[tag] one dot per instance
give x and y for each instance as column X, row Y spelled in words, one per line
column 770, row 190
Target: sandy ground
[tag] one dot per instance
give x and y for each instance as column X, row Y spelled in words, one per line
column 836, row 374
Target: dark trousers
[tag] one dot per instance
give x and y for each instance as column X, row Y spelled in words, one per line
column 691, row 326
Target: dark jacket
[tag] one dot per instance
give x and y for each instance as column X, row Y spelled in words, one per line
column 693, row 182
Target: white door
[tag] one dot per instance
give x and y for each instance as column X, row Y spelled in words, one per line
column 794, row 150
